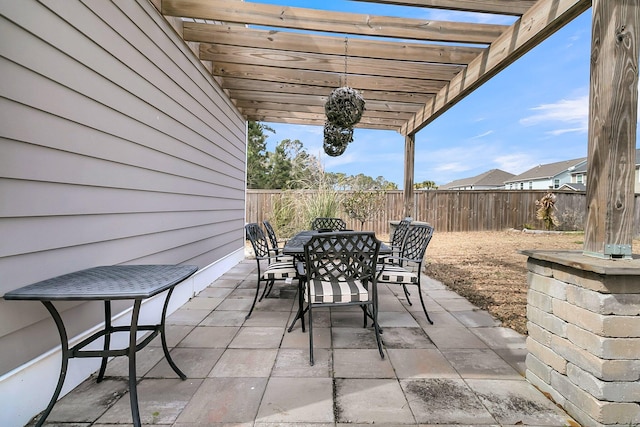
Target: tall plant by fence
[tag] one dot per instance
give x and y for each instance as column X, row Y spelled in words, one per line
column 469, row 210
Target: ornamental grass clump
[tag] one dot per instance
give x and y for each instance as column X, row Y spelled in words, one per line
column 546, row 211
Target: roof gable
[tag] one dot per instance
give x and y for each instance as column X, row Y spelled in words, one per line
column 547, row 171
column 491, row 178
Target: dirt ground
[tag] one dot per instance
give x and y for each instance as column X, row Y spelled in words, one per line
column 486, row 268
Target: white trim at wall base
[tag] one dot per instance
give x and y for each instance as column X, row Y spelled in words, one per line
column 27, row 389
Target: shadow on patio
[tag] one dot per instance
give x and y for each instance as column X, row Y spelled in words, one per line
column 464, row 369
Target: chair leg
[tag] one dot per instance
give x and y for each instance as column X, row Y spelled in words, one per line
column 255, row 298
column 267, row 289
column 406, row 293
column 423, row 306
column 301, row 310
column 310, row 335
column 364, row 312
column 377, row 330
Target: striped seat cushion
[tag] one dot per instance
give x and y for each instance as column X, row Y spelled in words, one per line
column 397, row 274
column 279, row 270
column 324, row 291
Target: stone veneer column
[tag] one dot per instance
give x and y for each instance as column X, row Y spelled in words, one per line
column 584, row 335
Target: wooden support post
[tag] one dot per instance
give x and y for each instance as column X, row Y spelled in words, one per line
column 613, row 114
column 409, row 162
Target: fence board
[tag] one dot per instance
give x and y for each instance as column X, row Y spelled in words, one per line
column 457, row 210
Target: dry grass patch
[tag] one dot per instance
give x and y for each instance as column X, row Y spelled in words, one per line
column 486, row 268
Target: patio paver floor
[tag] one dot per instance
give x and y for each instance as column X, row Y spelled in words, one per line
column 465, row 369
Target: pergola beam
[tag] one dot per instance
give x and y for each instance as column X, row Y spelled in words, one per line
column 235, row 35
column 504, row 7
column 326, row 79
column 542, row 20
column 261, row 88
column 321, row 62
column 333, row 22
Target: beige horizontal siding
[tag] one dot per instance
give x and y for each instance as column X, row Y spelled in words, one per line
column 116, row 147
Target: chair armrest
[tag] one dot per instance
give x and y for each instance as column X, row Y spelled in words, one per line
column 301, row 268
column 270, row 257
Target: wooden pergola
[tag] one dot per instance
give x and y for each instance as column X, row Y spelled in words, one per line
column 278, row 64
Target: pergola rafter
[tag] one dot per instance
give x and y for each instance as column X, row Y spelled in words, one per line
column 410, row 70
column 394, row 60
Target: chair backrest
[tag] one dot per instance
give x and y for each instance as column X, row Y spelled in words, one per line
column 328, row 224
column 271, row 234
column 416, row 241
column 343, row 255
column 258, row 239
column 400, row 232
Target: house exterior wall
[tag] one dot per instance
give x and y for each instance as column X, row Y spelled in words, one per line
column 534, row 184
column 540, row 184
column 116, row 147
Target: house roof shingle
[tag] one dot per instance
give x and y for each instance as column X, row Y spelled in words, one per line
column 547, row 171
column 491, row 178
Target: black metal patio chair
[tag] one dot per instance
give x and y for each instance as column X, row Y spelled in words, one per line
column 398, row 235
column 275, row 245
column 270, row 267
column 328, row 224
column 406, row 269
column 341, row 270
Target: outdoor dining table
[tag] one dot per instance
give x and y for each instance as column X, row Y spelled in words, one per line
column 108, row 283
column 295, row 248
column 295, row 245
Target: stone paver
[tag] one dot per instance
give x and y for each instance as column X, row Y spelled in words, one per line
column 297, row 400
column 445, row 401
column 479, row 363
column 386, row 402
column 465, row 369
column 421, row 363
column 225, row 400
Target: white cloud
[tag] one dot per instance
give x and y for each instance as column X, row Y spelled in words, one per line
column 514, row 163
column 451, row 167
column 482, row 135
column 574, row 112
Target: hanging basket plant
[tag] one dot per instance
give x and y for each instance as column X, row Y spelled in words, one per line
column 336, row 139
column 344, row 107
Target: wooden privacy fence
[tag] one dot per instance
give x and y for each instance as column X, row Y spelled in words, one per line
column 459, row 210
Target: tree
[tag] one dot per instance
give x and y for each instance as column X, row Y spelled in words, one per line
column 279, row 167
column 257, row 175
column 426, row 185
column 365, row 182
column 364, row 205
column 290, row 166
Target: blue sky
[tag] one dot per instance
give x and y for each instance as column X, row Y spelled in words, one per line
column 533, row 112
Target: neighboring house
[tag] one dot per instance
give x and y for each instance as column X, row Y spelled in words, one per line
column 545, row 177
column 118, row 147
column 579, row 177
column 490, row 180
column 573, row 187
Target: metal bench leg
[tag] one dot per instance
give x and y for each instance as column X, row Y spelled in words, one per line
column 133, row 386
column 65, row 360
column 163, row 338
column 107, row 339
